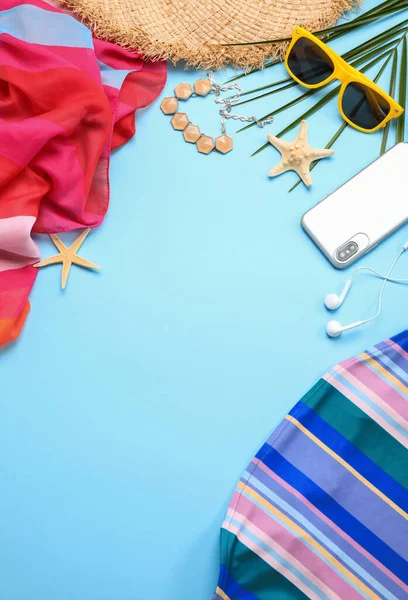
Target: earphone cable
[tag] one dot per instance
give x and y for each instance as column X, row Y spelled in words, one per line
column 380, row 275
column 386, row 279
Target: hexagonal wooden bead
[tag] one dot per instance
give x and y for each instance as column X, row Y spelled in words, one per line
column 205, row 144
column 169, row 106
column 202, row 87
column 183, row 91
column 223, row 143
column 179, row 121
column 191, row 133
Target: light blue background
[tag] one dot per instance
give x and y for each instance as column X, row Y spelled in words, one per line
column 135, row 398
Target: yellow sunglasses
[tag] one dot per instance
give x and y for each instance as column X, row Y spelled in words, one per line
column 362, row 103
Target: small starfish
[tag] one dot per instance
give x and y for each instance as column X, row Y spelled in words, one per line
column 297, row 155
column 67, row 256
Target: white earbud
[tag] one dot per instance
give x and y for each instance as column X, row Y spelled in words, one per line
column 334, row 328
column 333, row 301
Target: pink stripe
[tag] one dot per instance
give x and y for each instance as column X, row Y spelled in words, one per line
column 17, row 278
column 15, row 286
column 290, row 547
column 13, row 140
column 272, row 562
column 17, row 249
column 397, row 348
column 51, row 3
column 330, row 523
column 122, row 110
column 33, row 58
column 369, row 411
column 119, row 58
column 60, row 162
column 6, row 4
column 374, row 381
column 13, row 302
column 385, row 406
column 345, row 363
column 298, row 562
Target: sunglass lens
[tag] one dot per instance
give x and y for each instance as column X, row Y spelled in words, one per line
column 309, row 63
column 363, row 106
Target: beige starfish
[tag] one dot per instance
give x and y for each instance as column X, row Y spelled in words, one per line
column 297, row 155
column 67, row 256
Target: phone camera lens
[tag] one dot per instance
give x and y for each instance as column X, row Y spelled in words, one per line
column 345, row 252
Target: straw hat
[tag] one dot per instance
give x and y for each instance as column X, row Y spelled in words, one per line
column 195, row 30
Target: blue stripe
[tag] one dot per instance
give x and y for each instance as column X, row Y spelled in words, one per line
column 336, row 513
column 393, row 356
column 38, row 26
column 232, row 588
column 401, row 339
column 351, row 454
column 112, row 77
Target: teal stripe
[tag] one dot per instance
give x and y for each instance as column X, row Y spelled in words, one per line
column 254, row 574
column 279, row 559
column 338, row 375
column 359, row 429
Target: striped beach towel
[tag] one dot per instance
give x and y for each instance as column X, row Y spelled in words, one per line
column 66, row 101
column 322, row 510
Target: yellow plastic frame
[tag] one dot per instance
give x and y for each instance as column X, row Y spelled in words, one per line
column 346, row 74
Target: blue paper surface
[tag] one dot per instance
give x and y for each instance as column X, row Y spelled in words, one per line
column 135, row 398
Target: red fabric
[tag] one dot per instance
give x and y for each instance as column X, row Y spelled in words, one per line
column 63, row 108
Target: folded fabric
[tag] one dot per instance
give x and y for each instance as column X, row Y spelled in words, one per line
column 321, row 512
column 66, row 100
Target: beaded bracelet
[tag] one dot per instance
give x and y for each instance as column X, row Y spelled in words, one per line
column 191, row 133
column 180, row 121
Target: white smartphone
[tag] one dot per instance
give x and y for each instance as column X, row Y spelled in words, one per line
column 361, row 213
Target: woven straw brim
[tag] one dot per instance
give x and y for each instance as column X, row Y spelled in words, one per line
column 196, row 31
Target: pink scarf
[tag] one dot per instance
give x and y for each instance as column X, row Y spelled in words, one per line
column 66, row 101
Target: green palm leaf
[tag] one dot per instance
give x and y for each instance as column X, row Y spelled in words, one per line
column 373, row 45
column 366, row 56
column 400, row 131
column 385, row 9
column 393, row 81
column 318, row 104
column 389, row 44
column 370, row 43
column 345, row 124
